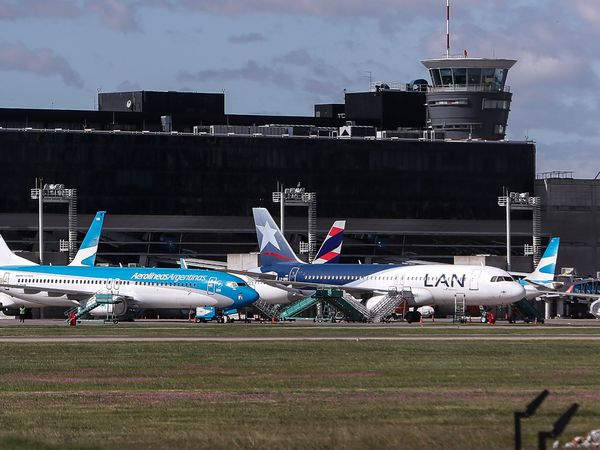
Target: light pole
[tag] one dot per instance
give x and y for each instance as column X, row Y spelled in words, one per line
column 524, row 202
column 299, row 197
column 56, row 193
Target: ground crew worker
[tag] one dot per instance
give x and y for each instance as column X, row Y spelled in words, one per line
column 22, row 312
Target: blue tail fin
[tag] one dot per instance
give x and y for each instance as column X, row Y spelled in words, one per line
column 86, row 256
column 545, row 269
column 273, row 246
column 332, row 245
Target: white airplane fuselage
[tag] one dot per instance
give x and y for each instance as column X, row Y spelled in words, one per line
column 39, row 286
column 423, row 284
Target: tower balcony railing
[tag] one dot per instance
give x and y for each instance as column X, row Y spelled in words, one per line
column 468, row 88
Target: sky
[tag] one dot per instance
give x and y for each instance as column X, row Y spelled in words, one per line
column 284, row 56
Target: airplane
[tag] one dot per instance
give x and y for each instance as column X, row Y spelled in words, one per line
column 85, row 256
column 78, row 284
column 329, row 253
column 428, row 284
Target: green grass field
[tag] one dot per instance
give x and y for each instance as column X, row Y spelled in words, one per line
column 303, row 394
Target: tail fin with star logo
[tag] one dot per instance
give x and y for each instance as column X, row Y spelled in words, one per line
column 274, row 248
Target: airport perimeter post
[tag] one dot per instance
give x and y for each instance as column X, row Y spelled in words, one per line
column 558, row 428
column 529, row 411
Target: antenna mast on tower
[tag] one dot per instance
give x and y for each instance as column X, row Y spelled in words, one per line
column 447, row 28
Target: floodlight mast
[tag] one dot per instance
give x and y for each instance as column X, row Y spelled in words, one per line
column 56, row 193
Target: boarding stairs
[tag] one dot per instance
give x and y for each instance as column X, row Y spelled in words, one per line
column 528, row 311
column 91, row 304
column 388, row 304
column 353, row 310
column 296, row 308
column 460, row 309
column 268, row 310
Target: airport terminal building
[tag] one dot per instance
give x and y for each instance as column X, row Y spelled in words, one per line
column 179, row 177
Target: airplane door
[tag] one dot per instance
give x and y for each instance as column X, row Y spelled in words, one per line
column 109, row 284
column 398, row 284
column 211, row 285
column 293, row 273
column 474, row 284
column 116, row 284
column 6, row 280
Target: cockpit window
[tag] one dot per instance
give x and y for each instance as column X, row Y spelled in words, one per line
column 501, row 278
column 231, row 284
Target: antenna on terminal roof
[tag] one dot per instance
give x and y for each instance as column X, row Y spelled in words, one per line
column 447, row 28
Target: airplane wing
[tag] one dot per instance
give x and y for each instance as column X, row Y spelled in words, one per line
column 306, row 286
column 578, row 294
column 273, row 280
column 72, row 294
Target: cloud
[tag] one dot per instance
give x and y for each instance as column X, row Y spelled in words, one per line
column 318, row 66
column 127, row 85
column 114, row 14
column 21, row 9
column 319, row 8
column 42, row 61
column 251, row 71
column 246, row 38
column 588, row 11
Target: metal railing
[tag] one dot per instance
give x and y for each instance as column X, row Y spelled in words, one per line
column 556, row 174
column 468, row 88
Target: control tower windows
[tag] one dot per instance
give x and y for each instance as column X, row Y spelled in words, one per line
column 435, row 77
column 488, row 77
column 474, row 77
column 446, row 75
column 495, row 104
column 501, row 77
column 460, row 77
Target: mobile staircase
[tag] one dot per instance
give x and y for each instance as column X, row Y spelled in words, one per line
column 296, row 308
column 528, row 311
column 352, row 309
column 97, row 300
column 267, row 309
column 388, row 305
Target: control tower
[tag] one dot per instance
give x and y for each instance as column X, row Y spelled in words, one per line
column 468, row 98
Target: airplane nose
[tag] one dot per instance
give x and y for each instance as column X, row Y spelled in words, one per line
column 250, row 295
column 516, row 292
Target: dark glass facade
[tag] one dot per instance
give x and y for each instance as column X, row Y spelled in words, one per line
column 164, row 174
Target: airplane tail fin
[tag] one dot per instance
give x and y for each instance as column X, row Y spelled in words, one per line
column 544, row 272
column 273, row 246
column 332, row 245
column 86, row 256
column 8, row 258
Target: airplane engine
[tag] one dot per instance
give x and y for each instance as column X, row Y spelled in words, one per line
column 426, row 311
column 117, row 309
column 373, row 301
column 8, row 302
column 595, row 308
column 422, row 297
column 276, row 296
